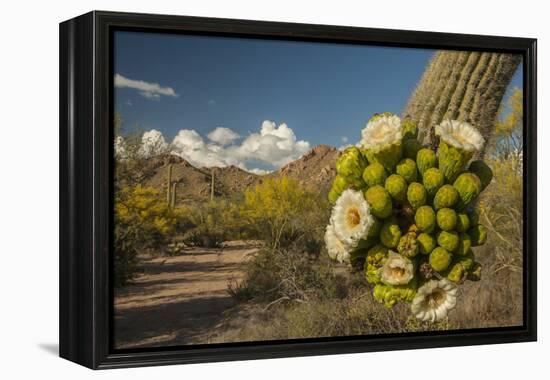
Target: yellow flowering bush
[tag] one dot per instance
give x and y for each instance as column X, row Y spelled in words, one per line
column 142, row 220
column 276, row 209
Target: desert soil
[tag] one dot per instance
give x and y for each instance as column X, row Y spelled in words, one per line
column 180, row 299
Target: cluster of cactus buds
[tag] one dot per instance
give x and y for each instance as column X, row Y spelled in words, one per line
column 417, row 235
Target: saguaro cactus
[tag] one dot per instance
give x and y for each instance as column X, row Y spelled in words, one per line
column 461, row 85
column 212, row 184
column 410, row 223
column 173, row 200
column 169, row 185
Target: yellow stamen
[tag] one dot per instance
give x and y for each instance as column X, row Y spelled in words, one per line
column 436, row 298
column 398, row 272
column 353, row 217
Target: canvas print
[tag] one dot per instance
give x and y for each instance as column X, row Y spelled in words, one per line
column 278, row 190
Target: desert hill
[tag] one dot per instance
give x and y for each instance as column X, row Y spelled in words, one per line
column 315, row 168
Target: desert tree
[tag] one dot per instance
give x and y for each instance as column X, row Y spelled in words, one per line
column 507, row 140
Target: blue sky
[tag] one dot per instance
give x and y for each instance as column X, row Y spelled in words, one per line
column 324, row 93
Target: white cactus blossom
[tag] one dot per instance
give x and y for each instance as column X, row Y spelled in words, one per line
column 397, row 270
column 351, row 217
column 460, row 134
column 381, row 132
column 434, row 300
column 336, row 249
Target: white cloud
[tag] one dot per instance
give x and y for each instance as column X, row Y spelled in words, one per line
column 191, row 146
column 188, row 140
column 153, row 143
column 146, row 89
column 344, row 139
column 223, row 136
column 273, row 146
column 258, row 171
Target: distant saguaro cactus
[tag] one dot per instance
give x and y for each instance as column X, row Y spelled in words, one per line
column 461, row 85
column 173, row 201
column 212, row 185
column 169, row 186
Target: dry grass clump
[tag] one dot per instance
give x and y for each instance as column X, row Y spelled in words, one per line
column 291, row 274
column 496, row 300
column 356, row 314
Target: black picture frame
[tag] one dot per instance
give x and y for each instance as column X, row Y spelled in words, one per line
column 86, row 151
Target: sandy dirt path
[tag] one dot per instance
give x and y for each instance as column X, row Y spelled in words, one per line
column 178, row 300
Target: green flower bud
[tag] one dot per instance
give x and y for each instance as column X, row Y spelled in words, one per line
column 411, row 148
column 446, row 196
column 425, row 219
column 468, row 186
column 474, row 274
column 410, row 129
column 482, row 171
column 452, row 161
column 465, row 244
column 379, row 293
column 376, row 256
column 433, row 180
column 456, row 272
column 374, row 174
column 446, row 219
column 467, row 260
column 425, row 159
column 389, row 295
column 406, row 168
column 338, row 186
column 448, row 240
column 396, row 187
column 462, row 222
column 440, row 259
column 478, row 235
column 408, row 246
column 413, row 228
column 390, row 234
column 459, row 268
column 416, row 195
column 379, row 201
column 333, row 196
column 351, row 165
column 389, row 156
column 426, row 243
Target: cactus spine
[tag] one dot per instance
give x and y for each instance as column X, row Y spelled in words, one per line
column 459, row 85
